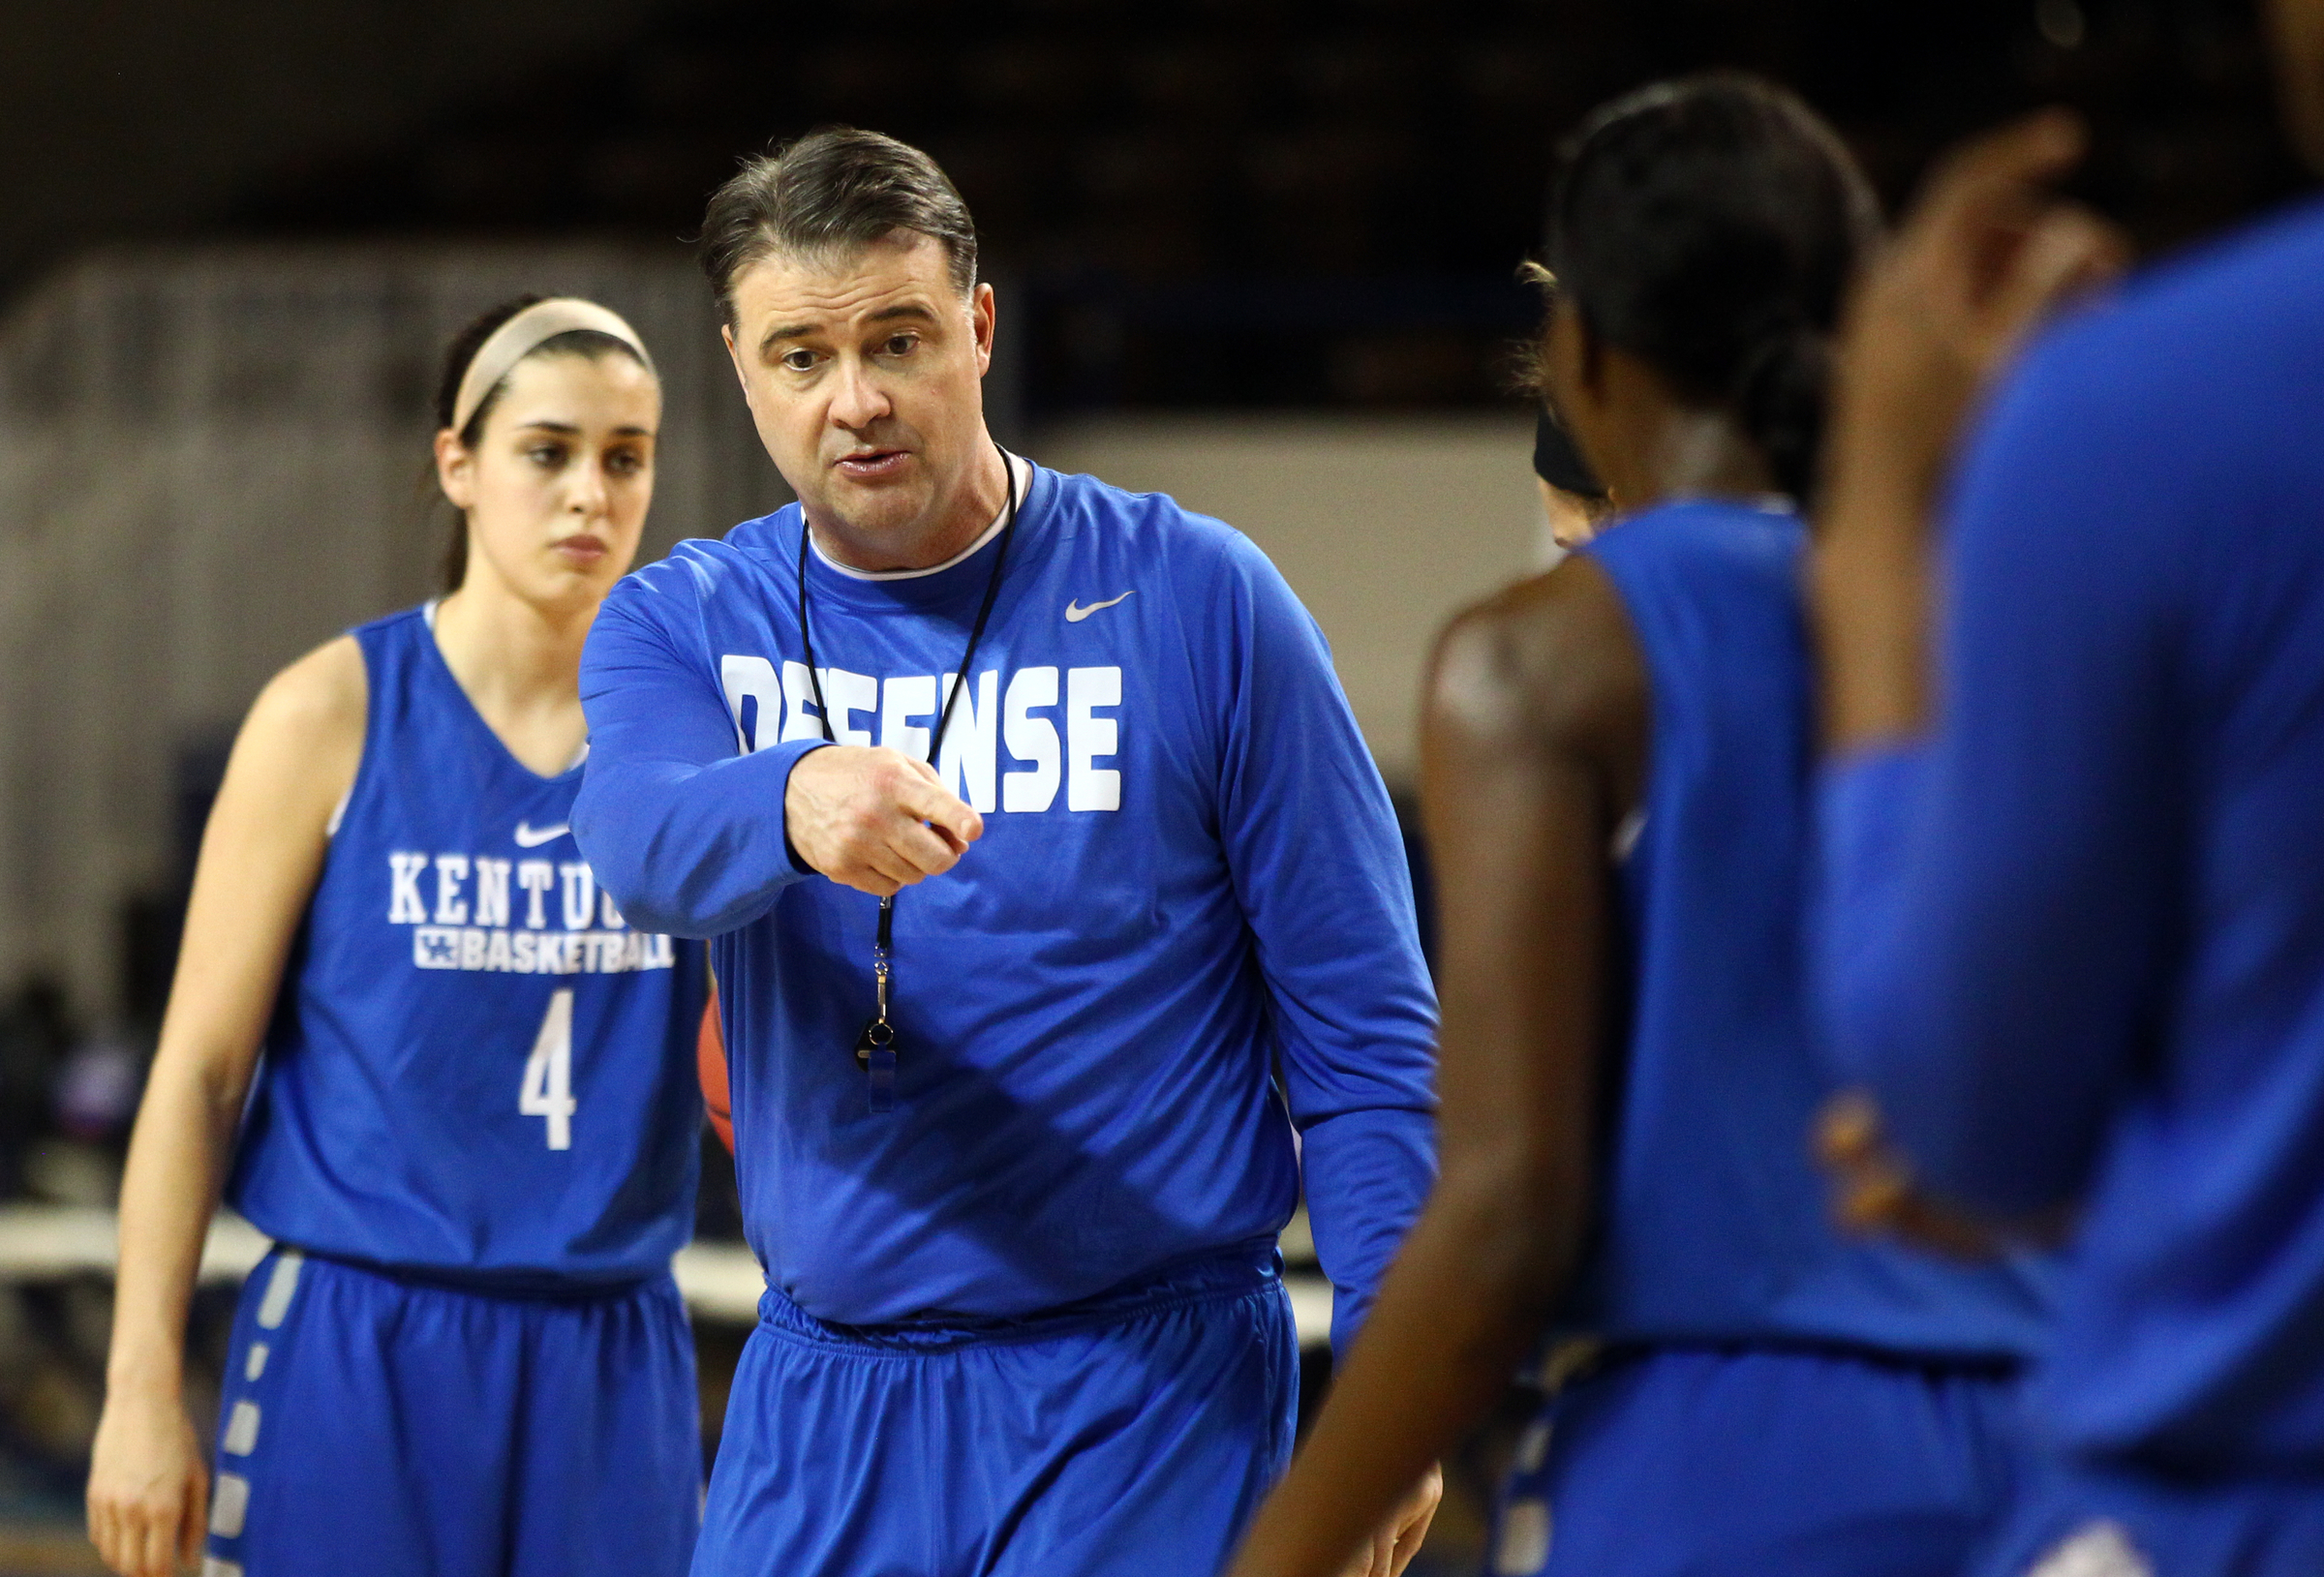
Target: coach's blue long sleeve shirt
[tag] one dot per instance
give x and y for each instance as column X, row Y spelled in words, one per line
column 2075, row 939
column 1190, row 876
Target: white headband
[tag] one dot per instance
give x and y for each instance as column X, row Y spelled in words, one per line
column 527, row 332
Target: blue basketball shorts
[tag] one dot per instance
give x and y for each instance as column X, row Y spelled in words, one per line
column 1129, row 1436
column 2088, row 1519
column 1747, row 1461
column 376, row 1425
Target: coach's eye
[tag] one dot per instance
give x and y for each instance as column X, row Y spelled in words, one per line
column 900, row 344
column 799, row 361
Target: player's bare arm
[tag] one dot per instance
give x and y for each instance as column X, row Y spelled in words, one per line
column 1534, row 749
column 293, row 762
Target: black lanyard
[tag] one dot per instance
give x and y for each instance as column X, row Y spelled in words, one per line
column 875, row 1048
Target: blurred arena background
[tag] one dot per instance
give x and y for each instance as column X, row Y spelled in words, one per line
column 1257, row 254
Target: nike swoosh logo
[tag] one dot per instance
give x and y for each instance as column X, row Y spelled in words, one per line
column 532, row 838
column 1075, row 612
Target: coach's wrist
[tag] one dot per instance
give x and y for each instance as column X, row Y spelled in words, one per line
column 800, row 750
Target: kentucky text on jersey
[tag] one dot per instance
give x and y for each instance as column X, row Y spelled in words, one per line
column 1053, row 734
column 469, row 927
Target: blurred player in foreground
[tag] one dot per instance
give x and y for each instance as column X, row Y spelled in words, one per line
column 474, row 1135
column 1011, row 1152
column 2074, row 841
column 1616, row 786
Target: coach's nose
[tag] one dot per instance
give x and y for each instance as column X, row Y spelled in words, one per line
column 858, row 401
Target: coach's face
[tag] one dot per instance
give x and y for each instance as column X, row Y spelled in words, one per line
column 2298, row 29
column 864, row 375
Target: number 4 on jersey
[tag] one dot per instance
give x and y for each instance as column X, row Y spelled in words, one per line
column 548, row 1090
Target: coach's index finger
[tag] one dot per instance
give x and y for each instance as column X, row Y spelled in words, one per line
column 925, row 798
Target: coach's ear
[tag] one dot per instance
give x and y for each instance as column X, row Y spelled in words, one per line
column 981, row 319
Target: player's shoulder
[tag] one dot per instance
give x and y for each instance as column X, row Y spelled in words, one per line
column 322, row 693
column 303, row 738
column 1552, row 657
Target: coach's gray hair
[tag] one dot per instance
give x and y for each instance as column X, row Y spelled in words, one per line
column 829, row 194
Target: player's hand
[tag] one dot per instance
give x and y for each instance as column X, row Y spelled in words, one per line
column 875, row 820
column 149, row 1490
column 1396, row 1542
column 1873, row 1190
column 1987, row 253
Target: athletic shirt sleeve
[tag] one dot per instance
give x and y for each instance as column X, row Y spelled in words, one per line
column 685, row 831
column 1996, row 896
column 1320, row 869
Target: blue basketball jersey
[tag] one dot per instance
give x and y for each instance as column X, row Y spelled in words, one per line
column 476, row 1067
column 1713, row 1220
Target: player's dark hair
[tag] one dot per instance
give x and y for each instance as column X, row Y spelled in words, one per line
column 1710, row 227
column 575, row 342
column 827, row 194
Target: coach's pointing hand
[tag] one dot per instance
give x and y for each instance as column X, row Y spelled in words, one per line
column 875, row 820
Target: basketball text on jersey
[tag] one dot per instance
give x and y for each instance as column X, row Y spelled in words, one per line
column 520, row 917
column 1048, row 718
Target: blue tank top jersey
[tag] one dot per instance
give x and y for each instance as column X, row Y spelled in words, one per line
column 1713, row 1222
column 476, row 1069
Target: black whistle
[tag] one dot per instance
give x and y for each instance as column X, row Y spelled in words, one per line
column 879, row 1036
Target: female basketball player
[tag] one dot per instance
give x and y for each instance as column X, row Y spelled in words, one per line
column 472, row 1135
column 1616, row 759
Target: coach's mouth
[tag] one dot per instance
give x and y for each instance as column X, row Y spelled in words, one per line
column 871, row 464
